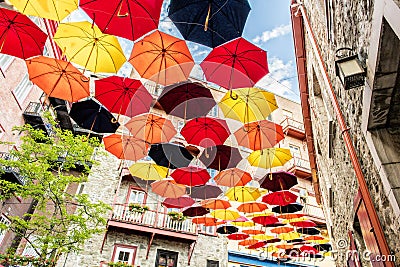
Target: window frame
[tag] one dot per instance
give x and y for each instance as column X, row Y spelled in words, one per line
column 211, row 263
column 117, row 246
column 138, row 189
column 168, row 253
column 5, row 220
column 23, row 91
column 7, row 59
column 291, row 151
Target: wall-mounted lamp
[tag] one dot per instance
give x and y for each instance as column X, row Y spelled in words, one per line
column 349, row 69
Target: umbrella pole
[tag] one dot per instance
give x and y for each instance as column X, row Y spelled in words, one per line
column 207, row 18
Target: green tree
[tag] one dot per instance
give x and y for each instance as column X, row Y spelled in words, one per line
column 61, row 222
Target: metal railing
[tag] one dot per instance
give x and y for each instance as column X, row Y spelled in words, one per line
column 152, row 218
column 289, row 122
column 9, row 169
column 296, row 162
column 313, row 211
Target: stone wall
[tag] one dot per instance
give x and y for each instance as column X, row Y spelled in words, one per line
column 352, row 28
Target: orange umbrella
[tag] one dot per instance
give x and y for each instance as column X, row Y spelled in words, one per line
column 248, row 242
column 290, row 216
column 58, row 78
column 313, row 238
column 285, row 246
column 162, row 58
column 168, row 188
column 253, row 232
column 232, row 177
column 282, row 230
column 259, row 135
column 125, row 147
column 204, row 220
column 251, row 207
column 151, row 128
column 215, row 204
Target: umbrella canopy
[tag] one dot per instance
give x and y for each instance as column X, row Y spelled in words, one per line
column 263, row 237
column 251, row 207
column 238, row 236
column 253, row 232
column 227, row 229
column 313, row 238
column 20, row 37
column 148, row 171
column 257, row 245
column 308, row 231
column 243, row 224
column 205, row 191
column 289, row 236
column 209, row 23
column 90, row 115
column 303, row 224
column 195, row 210
column 291, row 208
column 206, row 221
column 290, row 216
column 170, row 155
column 205, row 132
column 168, row 188
column 265, row 220
column 123, row 95
column 225, row 214
column 323, row 247
column 278, row 181
column 243, row 193
column 221, row 157
column 151, row 128
column 285, row 246
column 247, row 105
column 271, row 248
column 48, row 9
column 269, row 157
column 232, row 177
column 125, row 147
column 58, row 78
column 282, row 230
column 85, row 45
column 247, row 242
column 235, row 64
column 215, row 204
column 191, row 176
column 162, row 58
column 300, row 219
column 178, row 203
column 308, row 249
column 186, row 100
column 130, row 19
column 280, row 198
column 259, row 135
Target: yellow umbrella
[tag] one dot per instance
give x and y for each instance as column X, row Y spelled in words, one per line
column 85, row 44
column 243, row 193
column 248, row 104
column 270, row 249
column 263, row 237
column 264, row 213
column 243, row 224
column 148, row 171
column 226, row 215
column 289, row 236
column 323, row 241
column 48, row 9
column 269, row 157
column 294, row 220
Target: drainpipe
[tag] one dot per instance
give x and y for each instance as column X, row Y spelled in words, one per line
column 365, row 194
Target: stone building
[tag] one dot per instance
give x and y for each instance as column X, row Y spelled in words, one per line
column 353, row 129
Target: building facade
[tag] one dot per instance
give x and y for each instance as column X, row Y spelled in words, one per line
column 353, row 133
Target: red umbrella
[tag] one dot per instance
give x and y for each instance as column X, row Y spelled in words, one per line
column 195, row 210
column 278, row 181
column 123, row 95
column 238, row 236
column 257, row 245
column 221, row 157
column 308, row 249
column 232, row 177
column 180, row 202
column 265, row 220
column 303, row 224
column 205, row 131
column 19, row 36
column 130, row 19
column 235, row 64
column 191, row 176
column 280, row 198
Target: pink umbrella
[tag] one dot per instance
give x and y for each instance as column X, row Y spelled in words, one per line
column 180, row 202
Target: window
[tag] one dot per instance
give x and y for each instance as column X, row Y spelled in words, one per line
column 4, row 221
column 23, row 88
column 212, row 173
column 211, row 263
column 136, row 196
column 5, row 61
column 80, row 189
column 125, row 254
column 166, row 258
column 210, row 230
column 295, row 150
column 330, row 16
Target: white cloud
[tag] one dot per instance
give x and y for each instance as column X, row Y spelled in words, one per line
column 274, row 33
column 280, row 78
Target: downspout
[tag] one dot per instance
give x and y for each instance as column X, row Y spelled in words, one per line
column 373, row 216
column 298, row 38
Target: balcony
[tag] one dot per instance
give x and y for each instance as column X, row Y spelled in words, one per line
column 152, row 222
column 315, row 213
column 293, row 128
column 10, row 174
column 33, row 115
column 299, row 167
column 60, row 107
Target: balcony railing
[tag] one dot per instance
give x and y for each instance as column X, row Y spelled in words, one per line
column 293, row 128
column 151, row 218
column 299, row 162
column 11, row 172
column 314, row 211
